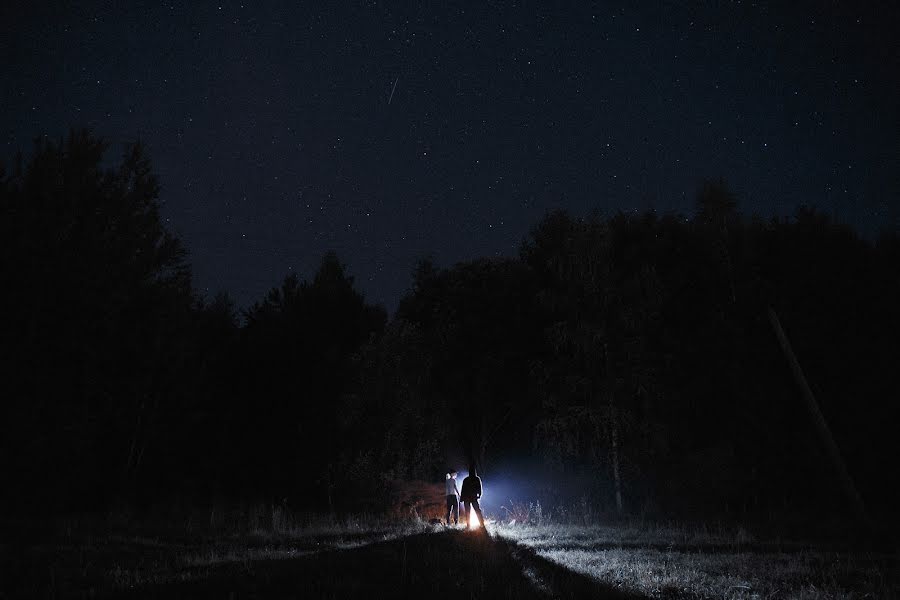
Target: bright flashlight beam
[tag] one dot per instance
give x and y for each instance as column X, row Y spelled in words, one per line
column 473, row 519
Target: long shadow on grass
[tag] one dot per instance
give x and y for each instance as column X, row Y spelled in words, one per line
column 446, row 564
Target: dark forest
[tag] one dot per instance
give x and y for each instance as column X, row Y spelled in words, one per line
column 628, row 362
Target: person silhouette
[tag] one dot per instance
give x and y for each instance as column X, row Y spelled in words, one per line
column 470, row 495
column 452, row 498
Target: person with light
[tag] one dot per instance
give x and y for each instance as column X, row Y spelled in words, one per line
column 470, row 495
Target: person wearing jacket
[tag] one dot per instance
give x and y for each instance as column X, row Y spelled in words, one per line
column 470, row 495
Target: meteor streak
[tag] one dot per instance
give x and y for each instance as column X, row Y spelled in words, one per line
column 392, row 90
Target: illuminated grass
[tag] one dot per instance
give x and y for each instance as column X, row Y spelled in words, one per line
column 678, row 562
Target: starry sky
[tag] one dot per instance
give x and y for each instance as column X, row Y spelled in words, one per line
column 389, row 132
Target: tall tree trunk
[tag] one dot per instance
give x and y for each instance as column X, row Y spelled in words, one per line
column 812, row 407
column 614, row 430
column 329, row 486
column 614, row 453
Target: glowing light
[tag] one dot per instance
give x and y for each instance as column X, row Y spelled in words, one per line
column 473, row 519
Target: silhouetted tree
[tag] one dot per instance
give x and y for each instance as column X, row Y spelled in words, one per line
column 479, row 327
column 300, row 356
column 99, row 289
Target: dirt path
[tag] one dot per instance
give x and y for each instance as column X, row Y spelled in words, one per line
column 447, row 564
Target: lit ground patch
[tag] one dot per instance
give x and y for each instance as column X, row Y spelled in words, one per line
column 663, row 566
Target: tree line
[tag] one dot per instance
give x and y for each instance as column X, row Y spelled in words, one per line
column 631, row 352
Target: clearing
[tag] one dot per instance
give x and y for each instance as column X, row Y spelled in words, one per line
column 356, row 558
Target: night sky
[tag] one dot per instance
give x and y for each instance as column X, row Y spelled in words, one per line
column 283, row 130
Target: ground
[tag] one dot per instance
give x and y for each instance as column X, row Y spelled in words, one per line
column 414, row 559
column 691, row 562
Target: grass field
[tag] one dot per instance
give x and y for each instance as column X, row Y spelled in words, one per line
column 673, row 562
column 269, row 554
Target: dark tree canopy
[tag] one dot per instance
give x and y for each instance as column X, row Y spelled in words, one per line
column 96, row 295
column 631, row 353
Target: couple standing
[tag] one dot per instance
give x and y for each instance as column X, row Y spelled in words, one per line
column 469, row 496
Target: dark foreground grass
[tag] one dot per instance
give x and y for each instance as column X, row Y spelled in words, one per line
column 442, row 564
column 432, row 563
